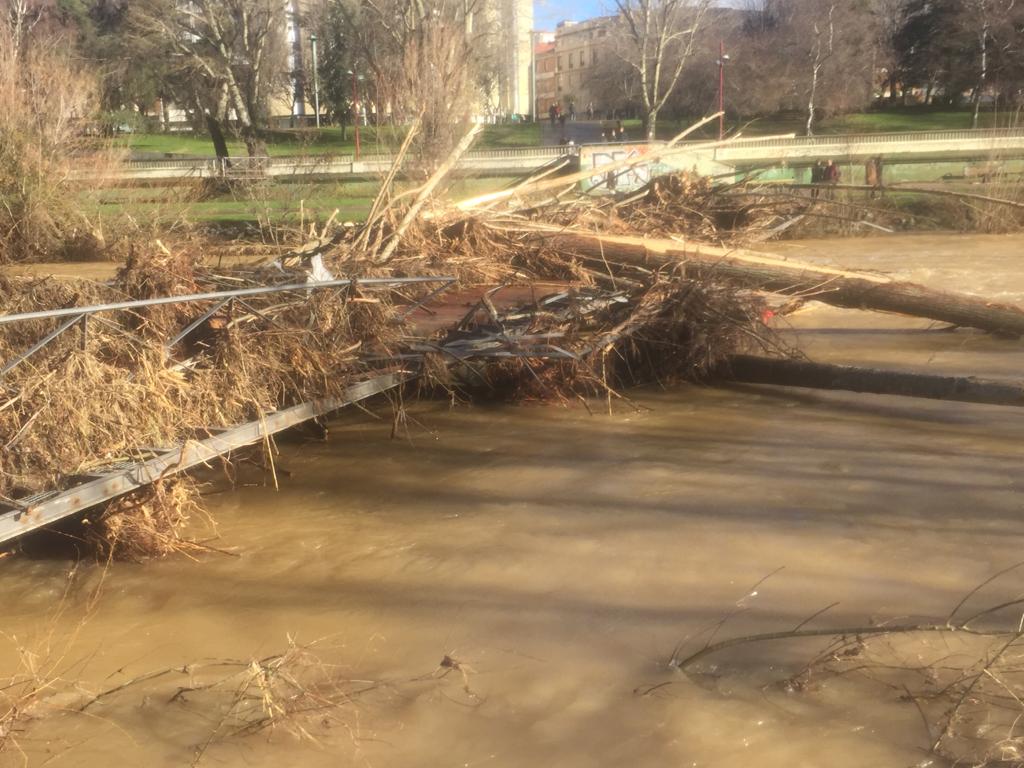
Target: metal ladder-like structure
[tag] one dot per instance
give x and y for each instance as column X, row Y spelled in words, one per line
column 26, row 514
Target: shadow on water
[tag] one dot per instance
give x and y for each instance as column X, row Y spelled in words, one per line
column 563, row 556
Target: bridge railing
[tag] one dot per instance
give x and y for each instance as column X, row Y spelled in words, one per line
column 71, row 317
column 310, row 163
column 176, row 164
column 217, row 165
column 846, row 139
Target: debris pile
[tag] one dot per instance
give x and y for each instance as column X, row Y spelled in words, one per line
column 123, row 381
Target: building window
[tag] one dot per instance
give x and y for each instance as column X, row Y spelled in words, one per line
column 572, row 60
column 593, row 58
column 583, row 62
column 559, row 63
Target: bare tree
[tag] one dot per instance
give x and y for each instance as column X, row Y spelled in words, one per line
column 233, row 52
column 981, row 8
column 958, row 46
column 888, row 17
column 615, row 85
column 658, row 40
column 23, row 15
column 822, row 49
column 990, row 21
column 427, row 59
column 827, row 50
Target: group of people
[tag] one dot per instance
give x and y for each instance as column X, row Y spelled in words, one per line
column 611, row 133
column 557, row 115
column 824, row 173
column 828, row 173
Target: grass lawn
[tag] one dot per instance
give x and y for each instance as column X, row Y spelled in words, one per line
column 503, row 136
column 325, row 141
column 284, row 143
column 279, row 204
column 897, row 120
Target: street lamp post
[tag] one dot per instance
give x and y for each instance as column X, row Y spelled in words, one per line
column 722, row 58
column 355, row 109
column 316, row 81
column 533, row 73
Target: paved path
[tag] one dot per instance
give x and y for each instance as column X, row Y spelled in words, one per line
column 577, row 131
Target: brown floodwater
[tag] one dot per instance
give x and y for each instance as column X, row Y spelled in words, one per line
column 560, row 557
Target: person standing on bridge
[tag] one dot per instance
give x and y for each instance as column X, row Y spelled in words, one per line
column 832, row 176
column 871, row 176
column 817, row 177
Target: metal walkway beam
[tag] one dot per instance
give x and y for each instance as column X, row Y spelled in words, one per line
column 58, row 506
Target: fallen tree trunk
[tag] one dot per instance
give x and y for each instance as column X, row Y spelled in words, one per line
column 751, row 369
column 427, row 190
column 841, row 288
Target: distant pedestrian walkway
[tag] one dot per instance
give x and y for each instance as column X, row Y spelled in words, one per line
column 576, row 131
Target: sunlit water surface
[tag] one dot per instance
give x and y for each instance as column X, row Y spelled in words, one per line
column 560, row 558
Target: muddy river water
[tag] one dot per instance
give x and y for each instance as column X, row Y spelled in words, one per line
column 560, row 557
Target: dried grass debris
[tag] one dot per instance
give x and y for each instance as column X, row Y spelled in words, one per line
column 152, row 522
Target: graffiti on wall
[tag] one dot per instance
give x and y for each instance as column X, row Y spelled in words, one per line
column 621, row 179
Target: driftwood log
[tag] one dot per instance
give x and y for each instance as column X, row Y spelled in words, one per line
column 751, row 369
column 841, row 288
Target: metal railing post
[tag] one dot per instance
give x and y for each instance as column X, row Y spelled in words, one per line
column 10, row 365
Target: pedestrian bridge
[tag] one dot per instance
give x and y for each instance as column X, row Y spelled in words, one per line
column 741, row 153
column 512, row 161
column 920, row 146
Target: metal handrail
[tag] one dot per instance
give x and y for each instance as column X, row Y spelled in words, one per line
column 80, row 315
column 226, row 165
column 348, row 163
column 190, row 297
column 845, row 139
column 297, row 161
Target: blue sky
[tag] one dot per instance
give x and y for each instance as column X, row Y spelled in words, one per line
column 547, row 13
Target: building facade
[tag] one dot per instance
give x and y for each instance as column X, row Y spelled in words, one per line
column 568, row 66
column 545, row 63
column 295, row 33
column 515, row 36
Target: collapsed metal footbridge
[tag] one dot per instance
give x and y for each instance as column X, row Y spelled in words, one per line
column 20, row 516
